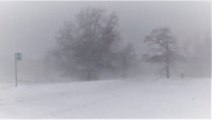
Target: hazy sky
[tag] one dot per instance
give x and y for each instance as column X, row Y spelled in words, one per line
column 31, row 27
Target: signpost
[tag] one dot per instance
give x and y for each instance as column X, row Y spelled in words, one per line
column 18, row 57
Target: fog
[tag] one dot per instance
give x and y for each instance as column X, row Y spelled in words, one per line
column 32, row 27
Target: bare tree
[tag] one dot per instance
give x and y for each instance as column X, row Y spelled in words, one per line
column 127, row 60
column 87, row 46
column 163, row 48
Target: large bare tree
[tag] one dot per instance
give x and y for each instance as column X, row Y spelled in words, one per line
column 87, row 46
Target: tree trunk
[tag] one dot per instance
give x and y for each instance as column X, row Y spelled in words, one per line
column 89, row 75
column 125, row 73
column 92, row 75
column 167, row 62
column 167, row 71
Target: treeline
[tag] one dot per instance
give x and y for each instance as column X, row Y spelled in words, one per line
column 92, row 45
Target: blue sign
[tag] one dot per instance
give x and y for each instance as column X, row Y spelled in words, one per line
column 18, row 56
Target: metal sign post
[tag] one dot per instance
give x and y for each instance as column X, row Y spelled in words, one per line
column 18, row 57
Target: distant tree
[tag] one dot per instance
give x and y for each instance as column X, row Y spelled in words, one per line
column 127, row 59
column 87, row 47
column 163, row 48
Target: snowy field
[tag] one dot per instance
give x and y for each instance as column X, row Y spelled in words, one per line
column 137, row 98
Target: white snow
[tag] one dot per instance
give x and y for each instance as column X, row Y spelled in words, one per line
column 136, row 98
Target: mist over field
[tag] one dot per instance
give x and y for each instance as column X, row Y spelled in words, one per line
column 32, row 27
column 116, row 59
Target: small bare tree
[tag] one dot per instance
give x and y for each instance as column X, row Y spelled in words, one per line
column 127, row 60
column 163, row 48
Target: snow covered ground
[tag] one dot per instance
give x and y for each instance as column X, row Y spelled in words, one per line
column 136, row 98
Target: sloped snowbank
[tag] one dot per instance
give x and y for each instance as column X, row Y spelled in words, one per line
column 135, row 98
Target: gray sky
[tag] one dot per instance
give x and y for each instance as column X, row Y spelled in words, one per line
column 31, row 27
